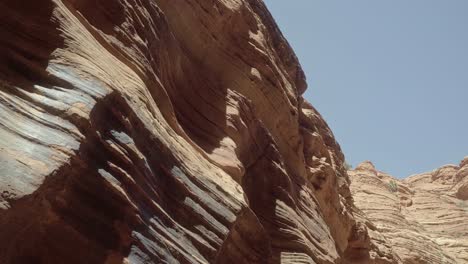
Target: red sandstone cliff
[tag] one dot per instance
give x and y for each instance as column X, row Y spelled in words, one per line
column 421, row 219
column 162, row 131
column 167, row 131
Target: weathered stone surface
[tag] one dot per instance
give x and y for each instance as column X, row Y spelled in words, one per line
column 174, row 131
column 421, row 219
column 162, row 131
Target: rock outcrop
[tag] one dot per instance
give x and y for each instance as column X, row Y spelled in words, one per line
column 174, row 131
column 420, row 219
column 162, row 131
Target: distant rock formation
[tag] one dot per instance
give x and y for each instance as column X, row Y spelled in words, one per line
column 421, row 219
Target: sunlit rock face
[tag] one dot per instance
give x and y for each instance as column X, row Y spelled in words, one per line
column 174, row 131
column 164, row 131
column 421, row 219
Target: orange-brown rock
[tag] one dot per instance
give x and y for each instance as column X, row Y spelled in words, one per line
column 420, row 219
column 174, row 131
column 162, row 131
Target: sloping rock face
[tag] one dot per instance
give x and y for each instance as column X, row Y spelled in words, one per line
column 164, row 131
column 421, row 219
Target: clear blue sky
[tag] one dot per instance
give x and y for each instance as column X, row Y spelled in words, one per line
column 389, row 77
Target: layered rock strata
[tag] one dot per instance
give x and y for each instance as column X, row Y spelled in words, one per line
column 162, row 131
column 175, row 131
column 420, row 219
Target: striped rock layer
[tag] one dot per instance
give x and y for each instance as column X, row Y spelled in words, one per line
column 162, row 131
column 420, row 219
column 175, row 131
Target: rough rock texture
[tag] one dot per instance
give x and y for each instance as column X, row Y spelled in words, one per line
column 421, row 219
column 164, row 131
column 174, row 131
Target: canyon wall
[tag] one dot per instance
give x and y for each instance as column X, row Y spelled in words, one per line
column 175, row 131
column 162, row 131
column 420, row 219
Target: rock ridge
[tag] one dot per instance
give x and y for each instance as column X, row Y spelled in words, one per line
column 419, row 219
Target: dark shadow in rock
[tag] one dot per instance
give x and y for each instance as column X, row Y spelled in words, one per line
column 200, row 104
column 28, row 35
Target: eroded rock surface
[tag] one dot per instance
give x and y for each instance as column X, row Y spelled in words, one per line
column 162, row 131
column 174, row 131
column 421, row 219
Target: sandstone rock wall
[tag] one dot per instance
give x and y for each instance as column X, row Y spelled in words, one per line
column 162, row 131
column 174, row 131
column 421, row 219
